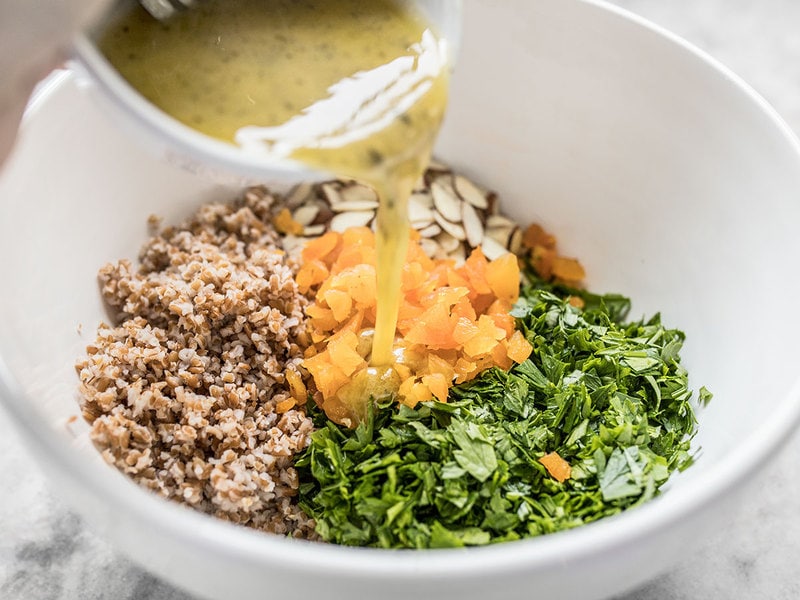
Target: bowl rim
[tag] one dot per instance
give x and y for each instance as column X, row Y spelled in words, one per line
column 252, row 547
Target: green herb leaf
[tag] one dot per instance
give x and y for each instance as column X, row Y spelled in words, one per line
column 476, row 454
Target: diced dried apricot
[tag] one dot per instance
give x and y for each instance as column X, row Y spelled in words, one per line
column 412, row 392
column 296, row 386
column 434, row 328
column 312, row 273
column 479, row 345
column 464, row 330
column 321, row 247
column 542, row 260
column 502, row 275
column 576, row 301
column 285, row 405
column 535, row 235
column 568, row 269
column 321, row 317
column 500, row 357
column 284, row 223
column 474, row 270
column 342, row 351
column 454, row 322
column 438, row 385
column 340, row 303
column 437, row 364
column 352, row 256
column 328, row 377
column 518, row 348
column 360, row 283
column 558, row 468
column 358, row 236
column 464, row 308
column 487, row 327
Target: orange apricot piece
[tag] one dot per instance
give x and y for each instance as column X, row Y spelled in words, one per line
column 558, row 468
column 360, row 282
column 284, row 405
column 464, row 330
column 542, row 259
column 535, row 235
column 518, row 348
column 312, row 273
column 412, row 392
column 340, row 303
column 568, row 269
column 441, row 366
column 576, row 301
column 327, row 377
column 502, row 275
column 343, row 354
column 358, row 236
column 321, row 247
column 474, row 270
column 434, row 328
column 296, row 386
column 437, row 384
column 284, row 223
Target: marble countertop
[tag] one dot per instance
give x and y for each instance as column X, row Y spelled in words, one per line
column 46, row 553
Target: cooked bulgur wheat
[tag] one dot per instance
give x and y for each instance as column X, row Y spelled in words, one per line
column 181, row 395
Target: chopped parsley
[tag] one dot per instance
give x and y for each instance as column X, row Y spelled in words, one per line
column 609, row 396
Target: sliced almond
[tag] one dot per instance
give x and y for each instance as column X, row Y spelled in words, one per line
column 299, row 194
column 420, row 224
column 419, row 212
column 346, row 220
column 306, row 213
column 459, row 254
column 499, row 221
column 354, row 205
column 454, row 229
column 435, row 169
column 429, row 247
column 358, row 192
column 447, row 242
column 430, row 231
column 293, row 245
column 445, row 199
column 470, row 192
column 515, row 241
column 491, row 249
column 440, row 253
column 314, row 230
column 422, row 198
column 472, row 224
column 330, row 191
column 324, row 215
column 501, row 235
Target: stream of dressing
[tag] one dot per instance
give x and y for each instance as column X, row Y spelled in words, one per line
column 352, row 87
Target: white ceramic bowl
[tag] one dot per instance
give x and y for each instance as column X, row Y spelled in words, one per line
column 670, row 179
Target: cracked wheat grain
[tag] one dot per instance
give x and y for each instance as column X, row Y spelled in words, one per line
column 181, row 394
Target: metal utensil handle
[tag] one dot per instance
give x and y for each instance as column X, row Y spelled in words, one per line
column 163, row 9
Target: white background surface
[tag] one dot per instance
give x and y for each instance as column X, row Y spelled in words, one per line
column 46, row 553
